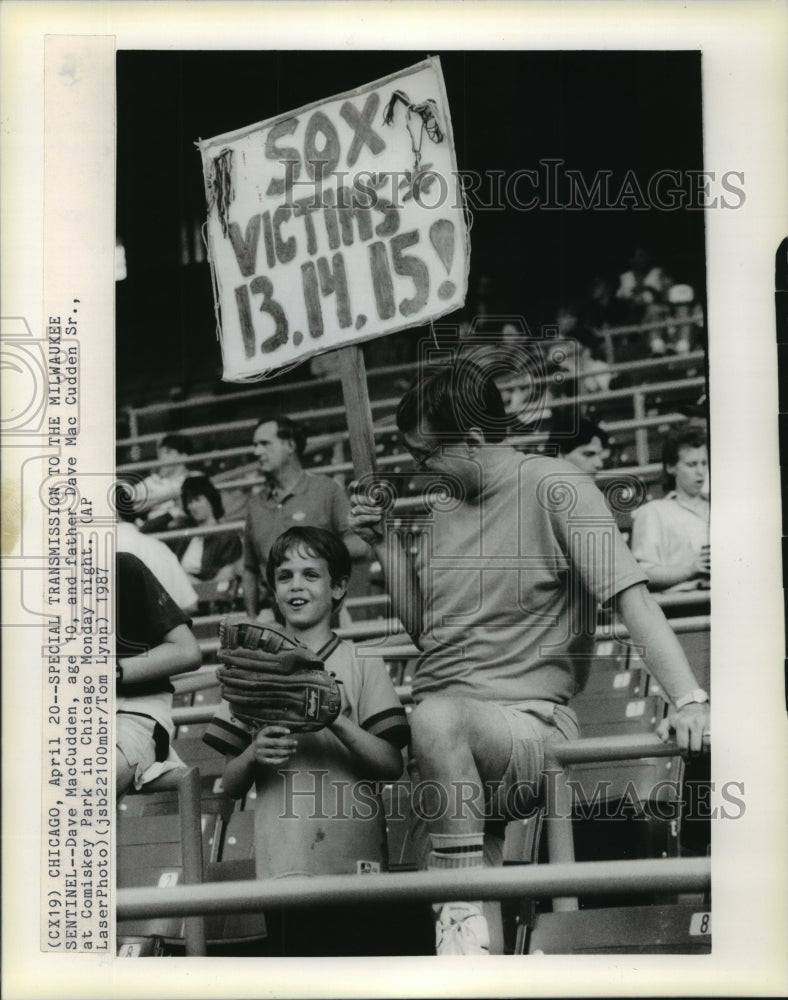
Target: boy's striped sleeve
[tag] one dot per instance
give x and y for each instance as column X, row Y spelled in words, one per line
column 390, row 725
column 380, row 711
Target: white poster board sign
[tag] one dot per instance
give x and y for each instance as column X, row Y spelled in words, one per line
column 336, row 223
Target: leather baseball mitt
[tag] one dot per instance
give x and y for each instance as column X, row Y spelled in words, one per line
column 269, row 677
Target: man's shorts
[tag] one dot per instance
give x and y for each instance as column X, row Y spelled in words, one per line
column 531, row 730
column 134, row 740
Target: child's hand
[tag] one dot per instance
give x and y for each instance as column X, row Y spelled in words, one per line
column 274, row 745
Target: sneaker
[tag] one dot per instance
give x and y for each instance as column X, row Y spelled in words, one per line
column 461, row 929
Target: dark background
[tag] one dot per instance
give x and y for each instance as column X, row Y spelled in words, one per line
column 612, row 111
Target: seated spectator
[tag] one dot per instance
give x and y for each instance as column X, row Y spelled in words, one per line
column 206, row 557
column 685, row 312
column 670, row 537
column 590, row 368
column 585, row 445
column 601, row 308
column 585, row 364
column 641, row 285
column 159, row 494
column 158, row 558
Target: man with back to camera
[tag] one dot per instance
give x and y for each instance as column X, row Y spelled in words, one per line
column 502, row 602
column 291, row 497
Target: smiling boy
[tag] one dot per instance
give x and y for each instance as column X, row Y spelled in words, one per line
column 317, row 809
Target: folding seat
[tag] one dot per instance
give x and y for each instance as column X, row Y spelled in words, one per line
column 235, row 862
column 238, row 844
column 396, row 799
column 152, row 804
column 625, row 808
column 665, row 929
column 187, row 733
column 206, row 697
column 619, row 716
column 149, row 854
column 216, row 596
column 139, row 947
column 609, row 681
column 182, row 699
column 190, row 747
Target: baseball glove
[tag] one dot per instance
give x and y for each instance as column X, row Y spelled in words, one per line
column 268, row 677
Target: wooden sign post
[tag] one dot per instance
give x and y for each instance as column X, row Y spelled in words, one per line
column 359, row 413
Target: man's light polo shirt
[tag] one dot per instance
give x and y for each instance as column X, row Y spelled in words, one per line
column 511, row 582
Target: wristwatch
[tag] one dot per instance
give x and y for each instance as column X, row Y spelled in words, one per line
column 698, row 695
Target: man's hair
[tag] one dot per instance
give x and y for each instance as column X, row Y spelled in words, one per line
column 201, row 486
column 177, row 442
column 685, row 436
column 318, row 543
column 452, row 400
column 564, row 437
column 288, row 430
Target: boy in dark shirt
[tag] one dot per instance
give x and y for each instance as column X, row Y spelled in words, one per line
column 153, row 642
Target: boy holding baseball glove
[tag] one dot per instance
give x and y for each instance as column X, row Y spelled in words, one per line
column 313, row 745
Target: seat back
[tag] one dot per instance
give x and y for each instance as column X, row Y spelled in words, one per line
column 677, row 929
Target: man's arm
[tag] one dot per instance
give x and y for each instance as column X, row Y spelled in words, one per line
column 340, row 516
column 666, row 660
column 369, row 523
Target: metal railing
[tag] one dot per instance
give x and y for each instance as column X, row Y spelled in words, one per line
column 644, row 366
column 512, row 882
column 636, row 393
column 562, row 879
column 382, row 602
column 405, row 506
column 397, row 648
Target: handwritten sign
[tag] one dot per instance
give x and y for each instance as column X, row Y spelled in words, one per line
column 336, row 223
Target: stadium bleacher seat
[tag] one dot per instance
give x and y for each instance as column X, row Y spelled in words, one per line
column 192, row 750
column 139, row 947
column 217, row 596
column 624, row 809
column 239, row 837
column 228, row 932
column 612, row 716
column 676, row 929
column 149, row 854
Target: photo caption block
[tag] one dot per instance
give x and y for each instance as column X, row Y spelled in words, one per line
column 75, row 473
